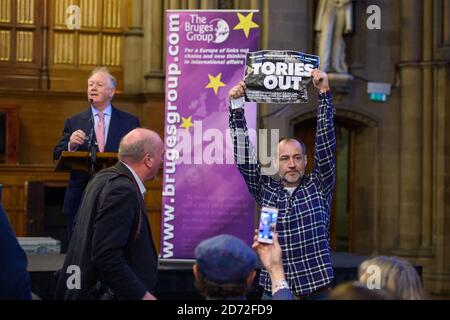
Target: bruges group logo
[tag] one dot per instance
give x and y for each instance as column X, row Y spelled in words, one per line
column 200, row 30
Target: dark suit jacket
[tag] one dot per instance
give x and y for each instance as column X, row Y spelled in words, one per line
column 14, row 278
column 121, row 123
column 112, row 240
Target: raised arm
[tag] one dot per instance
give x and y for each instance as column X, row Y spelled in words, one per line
column 325, row 136
column 244, row 153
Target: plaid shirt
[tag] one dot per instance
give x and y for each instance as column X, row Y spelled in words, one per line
column 303, row 218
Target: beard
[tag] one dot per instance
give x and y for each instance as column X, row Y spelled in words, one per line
column 290, row 177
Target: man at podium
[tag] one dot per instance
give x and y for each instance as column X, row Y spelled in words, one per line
column 100, row 128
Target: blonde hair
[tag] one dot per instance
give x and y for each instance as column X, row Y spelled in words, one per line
column 357, row 291
column 397, row 276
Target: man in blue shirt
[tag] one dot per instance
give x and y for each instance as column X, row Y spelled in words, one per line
column 303, row 200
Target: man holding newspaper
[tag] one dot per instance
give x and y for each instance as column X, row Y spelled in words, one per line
column 303, row 200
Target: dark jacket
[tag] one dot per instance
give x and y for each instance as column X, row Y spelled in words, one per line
column 14, row 278
column 112, row 241
column 121, row 123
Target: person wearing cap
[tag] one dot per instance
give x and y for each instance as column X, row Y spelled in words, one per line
column 225, row 269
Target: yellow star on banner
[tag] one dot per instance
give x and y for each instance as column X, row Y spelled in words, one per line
column 187, row 123
column 245, row 23
column 215, row 83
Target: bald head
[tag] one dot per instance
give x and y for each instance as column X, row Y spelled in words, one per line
column 137, row 143
column 293, row 141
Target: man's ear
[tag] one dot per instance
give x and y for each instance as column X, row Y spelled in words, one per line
column 306, row 159
column 113, row 91
column 149, row 161
column 195, row 270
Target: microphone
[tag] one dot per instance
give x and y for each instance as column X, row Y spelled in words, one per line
column 92, row 148
column 91, row 133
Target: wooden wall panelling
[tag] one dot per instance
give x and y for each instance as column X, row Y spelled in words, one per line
column 99, row 41
column 11, row 155
column 21, row 43
column 14, row 179
column 34, row 198
column 42, row 116
column 24, row 206
column 12, row 199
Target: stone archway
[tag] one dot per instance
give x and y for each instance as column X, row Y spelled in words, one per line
column 354, row 131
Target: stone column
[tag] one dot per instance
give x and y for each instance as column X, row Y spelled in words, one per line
column 208, row 4
column 436, row 278
column 411, row 123
column 132, row 72
column 173, row 4
column 153, row 51
column 427, row 121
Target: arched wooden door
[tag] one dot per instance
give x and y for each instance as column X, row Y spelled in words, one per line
column 342, row 213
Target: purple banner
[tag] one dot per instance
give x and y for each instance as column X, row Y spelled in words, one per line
column 203, row 192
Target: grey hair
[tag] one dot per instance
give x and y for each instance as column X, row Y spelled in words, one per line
column 135, row 151
column 397, row 276
column 112, row 79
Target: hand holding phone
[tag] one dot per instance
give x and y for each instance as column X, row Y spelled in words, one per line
column 267, row 224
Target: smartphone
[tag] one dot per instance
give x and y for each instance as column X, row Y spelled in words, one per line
column 267, row 224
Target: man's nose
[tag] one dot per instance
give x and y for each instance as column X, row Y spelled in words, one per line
column 291, row 163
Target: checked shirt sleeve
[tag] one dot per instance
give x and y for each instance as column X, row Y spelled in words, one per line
column 325, row 144
column 245, row 155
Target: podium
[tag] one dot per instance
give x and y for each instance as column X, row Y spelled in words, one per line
column 81, row 161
